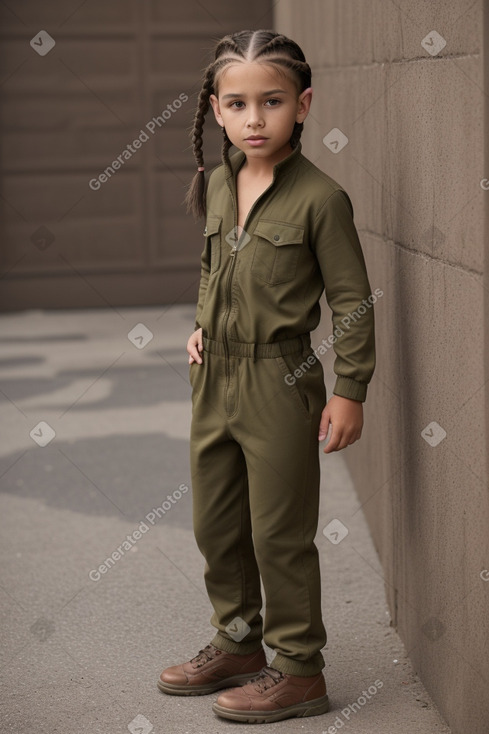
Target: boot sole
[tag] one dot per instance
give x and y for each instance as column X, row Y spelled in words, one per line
column 310, row 708
column 202, row 690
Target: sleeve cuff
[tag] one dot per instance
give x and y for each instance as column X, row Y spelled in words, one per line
column 346, row 387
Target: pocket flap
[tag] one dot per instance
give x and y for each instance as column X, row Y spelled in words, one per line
column 212, row 225
column 280, row 233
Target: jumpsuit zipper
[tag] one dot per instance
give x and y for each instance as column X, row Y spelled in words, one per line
column 234, row 250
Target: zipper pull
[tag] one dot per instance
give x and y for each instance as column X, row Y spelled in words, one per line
column 234, row 237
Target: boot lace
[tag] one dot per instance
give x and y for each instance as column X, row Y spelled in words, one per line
column 203, row 656
column 266, row 678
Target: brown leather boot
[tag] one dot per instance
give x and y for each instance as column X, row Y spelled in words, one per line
column 209, row 671
column 273, row 696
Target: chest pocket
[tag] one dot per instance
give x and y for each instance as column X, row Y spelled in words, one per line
column 277, row 252
column 213, row 241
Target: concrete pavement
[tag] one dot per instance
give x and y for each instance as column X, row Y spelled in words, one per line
column 101, row 579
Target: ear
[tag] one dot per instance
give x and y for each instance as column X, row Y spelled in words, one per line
column 215, row 106
column 304, row 104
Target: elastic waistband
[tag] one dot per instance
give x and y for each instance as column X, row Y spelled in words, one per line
column 258, row 351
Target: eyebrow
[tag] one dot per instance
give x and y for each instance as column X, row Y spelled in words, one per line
column 264, row 94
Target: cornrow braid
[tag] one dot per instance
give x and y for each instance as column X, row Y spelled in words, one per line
column 301, row 69
column 294, row 60
column 277, row 41
column 246, row 45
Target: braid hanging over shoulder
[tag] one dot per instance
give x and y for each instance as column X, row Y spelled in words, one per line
column 244, row 46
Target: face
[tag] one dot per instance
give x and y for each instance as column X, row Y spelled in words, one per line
column 256, row 100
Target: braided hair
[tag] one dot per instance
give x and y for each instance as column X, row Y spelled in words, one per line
column 245, row 45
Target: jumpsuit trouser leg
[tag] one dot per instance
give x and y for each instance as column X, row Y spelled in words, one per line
column 255, row 477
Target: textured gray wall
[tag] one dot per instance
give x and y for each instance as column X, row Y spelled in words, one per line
column 413, row 113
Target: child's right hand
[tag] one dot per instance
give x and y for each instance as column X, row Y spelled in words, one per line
column 195, row 347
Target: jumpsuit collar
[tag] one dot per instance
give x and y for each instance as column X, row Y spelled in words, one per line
column 238, row 159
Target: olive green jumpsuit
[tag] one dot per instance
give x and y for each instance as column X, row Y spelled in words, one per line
column 257, row 400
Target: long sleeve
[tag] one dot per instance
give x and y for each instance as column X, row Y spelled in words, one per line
column 204, row 280
column 339, row 253
column 205, row 264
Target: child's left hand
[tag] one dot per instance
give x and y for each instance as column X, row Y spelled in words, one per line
column 346, row 418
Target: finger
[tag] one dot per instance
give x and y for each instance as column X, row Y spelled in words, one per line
column 348, row 439
column 333, row 441
column 324, row 427
column 192, row 350
column 200, row 343
column 355, row 437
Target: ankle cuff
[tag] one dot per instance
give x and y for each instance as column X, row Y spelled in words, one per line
column 306, row 668
column 236, row 648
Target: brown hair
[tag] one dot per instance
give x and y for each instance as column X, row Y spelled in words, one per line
column 273, row 48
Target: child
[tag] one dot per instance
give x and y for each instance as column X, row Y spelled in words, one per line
column 278, row 232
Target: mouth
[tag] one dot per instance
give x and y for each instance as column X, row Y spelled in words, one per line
column 256, row 137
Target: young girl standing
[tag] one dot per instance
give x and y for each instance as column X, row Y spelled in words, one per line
column 278, row 231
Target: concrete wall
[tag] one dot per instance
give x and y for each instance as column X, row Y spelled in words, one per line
column 413, row 167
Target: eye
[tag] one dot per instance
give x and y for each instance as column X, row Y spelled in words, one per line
column 240, row 102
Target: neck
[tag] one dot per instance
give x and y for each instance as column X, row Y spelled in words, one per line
column 263, row 167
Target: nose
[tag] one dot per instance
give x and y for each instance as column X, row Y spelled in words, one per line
column 255, row 118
